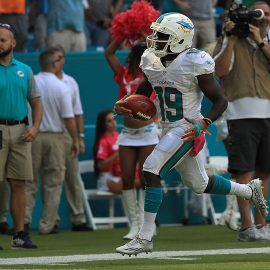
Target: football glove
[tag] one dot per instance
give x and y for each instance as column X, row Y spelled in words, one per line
column 198, row 145
column 197, row 128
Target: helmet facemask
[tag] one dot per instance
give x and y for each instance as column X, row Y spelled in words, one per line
column 160, row 46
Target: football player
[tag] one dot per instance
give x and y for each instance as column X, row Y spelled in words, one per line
column 180, row 76
column 137, row 138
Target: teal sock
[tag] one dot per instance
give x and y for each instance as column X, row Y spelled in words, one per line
column 153, row 199
column 221, row 185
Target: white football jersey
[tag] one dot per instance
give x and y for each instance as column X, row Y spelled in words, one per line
column 176, row 86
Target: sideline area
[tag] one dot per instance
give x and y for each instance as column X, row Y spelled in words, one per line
column 113, row 256
column 200, row 247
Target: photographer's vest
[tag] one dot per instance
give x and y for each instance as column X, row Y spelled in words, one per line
column 250, row 75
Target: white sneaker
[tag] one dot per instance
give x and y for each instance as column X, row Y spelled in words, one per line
column 257, row 198
column 252, row 234
column 265, row 231
column 136, row 246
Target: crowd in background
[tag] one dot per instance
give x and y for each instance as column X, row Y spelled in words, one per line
column 80, row 25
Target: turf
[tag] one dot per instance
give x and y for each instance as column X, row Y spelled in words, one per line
column 187, row 238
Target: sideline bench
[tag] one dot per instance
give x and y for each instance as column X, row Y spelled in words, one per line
column 87, row 166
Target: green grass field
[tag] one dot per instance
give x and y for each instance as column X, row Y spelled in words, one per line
column 190, row 247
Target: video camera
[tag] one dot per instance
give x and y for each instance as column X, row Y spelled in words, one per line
column 239, row 14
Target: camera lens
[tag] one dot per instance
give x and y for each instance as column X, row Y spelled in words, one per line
column 257, row 14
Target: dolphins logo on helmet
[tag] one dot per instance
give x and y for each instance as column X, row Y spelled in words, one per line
column 179, row 31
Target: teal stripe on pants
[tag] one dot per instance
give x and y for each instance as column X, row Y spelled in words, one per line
column 183, row 149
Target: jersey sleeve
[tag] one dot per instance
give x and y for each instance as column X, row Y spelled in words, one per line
column 203, row 64
column 144, row 61
column 33, row 91
column 77, row 105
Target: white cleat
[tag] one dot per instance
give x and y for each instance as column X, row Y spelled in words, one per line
column 257, row 198
column 136, row 246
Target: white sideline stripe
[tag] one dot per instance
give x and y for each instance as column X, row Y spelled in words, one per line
column 115, row 256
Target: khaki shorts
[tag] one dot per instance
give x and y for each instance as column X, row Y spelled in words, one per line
column 70, row 40
column 15, row 155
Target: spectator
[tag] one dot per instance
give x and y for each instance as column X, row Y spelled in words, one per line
column 171, row 6
column 180, row 76
column 72, row 184
column 106, row 155
column 155, row 3
column 137, row 139
column 66, row 25
column 14, row 13
column 48, row 151
column 202, row 15
column 17, row 84
column 38, row 22
column 98, row 20
column 243, row 64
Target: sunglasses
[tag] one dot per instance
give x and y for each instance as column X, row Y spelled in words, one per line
column 8, row 27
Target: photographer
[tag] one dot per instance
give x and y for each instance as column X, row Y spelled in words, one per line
column 243, row 65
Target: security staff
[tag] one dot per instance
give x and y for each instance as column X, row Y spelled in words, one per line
column 17, row 87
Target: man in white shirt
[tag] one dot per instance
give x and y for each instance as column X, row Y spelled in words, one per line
column 72, row 184
column 48, row 151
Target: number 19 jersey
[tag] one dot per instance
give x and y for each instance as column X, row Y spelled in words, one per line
column 178, row 95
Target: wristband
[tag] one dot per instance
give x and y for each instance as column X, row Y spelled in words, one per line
column 208, row 121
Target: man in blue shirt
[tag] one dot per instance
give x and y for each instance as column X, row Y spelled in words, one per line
column 17, row 88
column 65, row 25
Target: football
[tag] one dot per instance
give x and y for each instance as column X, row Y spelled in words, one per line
column 142, row 107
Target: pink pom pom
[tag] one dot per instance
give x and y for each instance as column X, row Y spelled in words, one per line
column 134, row 23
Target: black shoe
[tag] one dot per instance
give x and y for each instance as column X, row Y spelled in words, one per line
column 26, row 227
column 1, row 248
column 22, row 240
column 83, row 227
column 4, row 228
column 54, row 230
